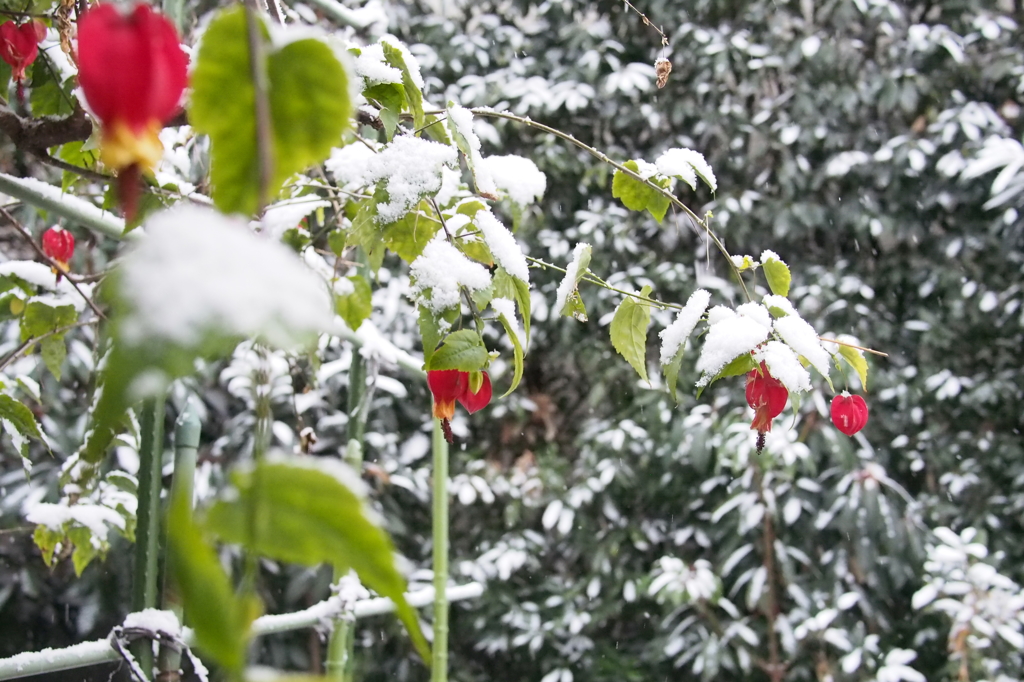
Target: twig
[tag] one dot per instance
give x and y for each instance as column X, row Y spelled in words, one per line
column 647, row 22
column 601, row 156
column 594, row 279
column 13, row 355
column 52, row 263
column 72, row 168
column 851, row 345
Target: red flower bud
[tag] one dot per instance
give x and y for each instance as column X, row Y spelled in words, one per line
column 19, row 45
column 849, row 413
column 59, row 244
column 766, row 396
column 449, row 385
column 133, row 71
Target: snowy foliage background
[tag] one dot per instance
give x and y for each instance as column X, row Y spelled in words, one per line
column 876, row 147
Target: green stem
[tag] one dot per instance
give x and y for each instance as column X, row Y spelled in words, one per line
column 339, row 665
column 147, row 534
column 439, row 664
column 601, row 156
column 186, row 444
column 594, row 279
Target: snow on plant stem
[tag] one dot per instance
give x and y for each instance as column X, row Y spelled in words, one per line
column 572, row 276
column 503, row 245
column 518, row 177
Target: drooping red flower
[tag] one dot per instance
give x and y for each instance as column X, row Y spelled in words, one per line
column 766, row 396
column 849, row 413
column 19, row 46
column 450, row 385
column 59, row 244
column 133, row 72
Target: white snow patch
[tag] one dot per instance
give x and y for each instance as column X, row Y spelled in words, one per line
column 154, row 620
column 802, row 338
column 461, row 120
column 441, row 269
column 784, row 365
column 674, row 336
column 34, row 273
column 686, row 165
column 726, row 340
column 284, row 215
column 720, row 313
column 503, row 245
column 518, row 177
column 568, row 283
column 197, row 271
column 757, row 312
column 410, row 61
column 780, row 302
column 373, row 68
column 411, row 165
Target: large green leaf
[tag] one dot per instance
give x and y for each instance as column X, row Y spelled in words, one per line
column 309, row 108
column 463, row 350
column 408, row 237
column 507, row 286
column 629, row 331
column 221, row 619
column 517, row 353
column 639, row 196
column 309, row 512
column 22, row 420
column 40, row 318
column 413, row 95
column 357, row 306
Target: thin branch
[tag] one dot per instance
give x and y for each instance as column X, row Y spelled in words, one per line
column 52, row 263
column 16, row 353
column 601, row 156
column 851, row 345
column 594, row 279
column 647, row 22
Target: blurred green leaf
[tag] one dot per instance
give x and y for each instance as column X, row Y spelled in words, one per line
column 357, row 306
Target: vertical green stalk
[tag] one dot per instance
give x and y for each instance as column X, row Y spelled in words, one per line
column 439, row 665
column 186, row 445
column 147, row 534
column 339, row 665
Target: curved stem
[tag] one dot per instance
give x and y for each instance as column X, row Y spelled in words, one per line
column 601, row 156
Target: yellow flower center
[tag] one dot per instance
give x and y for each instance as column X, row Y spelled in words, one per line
column 121, row 146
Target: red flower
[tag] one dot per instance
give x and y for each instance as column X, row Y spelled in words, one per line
column 133, row 72
column 767, row 396
column 449, row 385
column 59, row 244
column 849, row 413
column 19, row 45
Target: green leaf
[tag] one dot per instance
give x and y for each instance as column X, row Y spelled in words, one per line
column 367, row 233
column 508, row 286
column 223, row 106
column 517, row 354
column 298, row 511
column 629, row 331
column 430, row 332
column 390, row 97
column 47, row 540
column 413, row 96
column 573, row 303
column 85, row 549
column 309, row 105
column 672, row 371
column 54, row 350
column 40, row 319
column 777, row 274
column 309, row 108
column 220, row 619
column 48, row 98
column 410, row 235
column 639, row 196
column 20, row 417
column 738, row 366
column 463, row 350
column 855, row 358
column 357, row 306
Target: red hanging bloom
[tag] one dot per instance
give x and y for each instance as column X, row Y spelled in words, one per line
column 849, row 413
column 133, row 72
column 59, row 244
column 766, row 396
column 19, row 46
column 450, row 385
